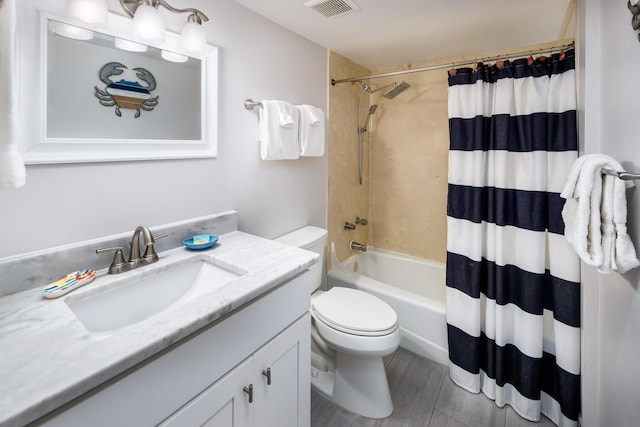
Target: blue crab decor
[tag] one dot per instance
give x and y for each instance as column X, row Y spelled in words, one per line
column 135, row 95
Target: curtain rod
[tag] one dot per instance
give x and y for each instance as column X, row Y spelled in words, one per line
column 454, row 63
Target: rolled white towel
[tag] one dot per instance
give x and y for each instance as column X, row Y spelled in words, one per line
column 625, row 254
column 607, row 227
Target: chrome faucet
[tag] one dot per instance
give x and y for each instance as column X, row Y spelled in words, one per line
column 357, row 246
column 150, row 256
column 119, row 265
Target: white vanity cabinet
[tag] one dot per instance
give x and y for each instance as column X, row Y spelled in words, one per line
column 284, row 368
column 270, row 388
column 224, row 404
column 201, row 381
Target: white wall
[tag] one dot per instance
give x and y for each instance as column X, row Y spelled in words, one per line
column 258, row 59
column 611, row 303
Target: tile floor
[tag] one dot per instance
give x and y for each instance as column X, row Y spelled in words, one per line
column 423, row 396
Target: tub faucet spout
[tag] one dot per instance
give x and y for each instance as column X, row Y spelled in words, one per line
column 357, row 246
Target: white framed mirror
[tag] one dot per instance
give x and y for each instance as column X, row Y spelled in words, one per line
column 85, row 96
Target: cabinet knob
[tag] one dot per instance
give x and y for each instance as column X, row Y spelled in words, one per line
column 249, row 390
column 267, row 373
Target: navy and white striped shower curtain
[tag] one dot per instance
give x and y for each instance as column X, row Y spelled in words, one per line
column 513, row 291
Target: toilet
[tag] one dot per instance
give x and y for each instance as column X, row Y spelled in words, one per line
column 351, row 332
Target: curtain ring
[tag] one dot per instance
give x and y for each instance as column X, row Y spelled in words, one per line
column 633, row 8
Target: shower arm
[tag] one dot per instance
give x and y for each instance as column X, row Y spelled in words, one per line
column 391, row 85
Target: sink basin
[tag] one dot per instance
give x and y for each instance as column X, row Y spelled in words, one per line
column 131, row 302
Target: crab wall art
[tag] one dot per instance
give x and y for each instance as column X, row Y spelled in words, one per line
column 135, row 95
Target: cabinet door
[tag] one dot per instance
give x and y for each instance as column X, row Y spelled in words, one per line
column 285, row 362
column 223, row 404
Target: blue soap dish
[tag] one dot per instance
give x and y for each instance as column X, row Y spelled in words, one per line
column 189, row 242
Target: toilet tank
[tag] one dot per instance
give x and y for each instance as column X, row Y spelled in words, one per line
column 312, row 239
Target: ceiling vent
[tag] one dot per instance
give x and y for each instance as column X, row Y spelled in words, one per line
column 332, row 8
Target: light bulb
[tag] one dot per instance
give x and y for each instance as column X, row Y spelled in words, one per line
column 92, row 12
column 193, row 39
column 148, row 24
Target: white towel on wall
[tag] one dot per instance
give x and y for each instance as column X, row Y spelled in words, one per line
column 595, row 214
column 312, row 131
column 278, row 130
column 12, row 170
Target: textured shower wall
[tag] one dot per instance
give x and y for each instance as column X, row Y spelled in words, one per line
column 409, row 148
column 346, row 199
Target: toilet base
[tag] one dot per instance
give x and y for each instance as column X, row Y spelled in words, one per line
column 362, row 386
column 359, row 385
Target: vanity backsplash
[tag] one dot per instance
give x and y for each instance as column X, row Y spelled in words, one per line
column 37, row 269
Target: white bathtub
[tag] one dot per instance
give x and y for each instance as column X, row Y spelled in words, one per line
column 414, row 287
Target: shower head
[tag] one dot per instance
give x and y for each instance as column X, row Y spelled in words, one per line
column 397, row 90
column 372, row 110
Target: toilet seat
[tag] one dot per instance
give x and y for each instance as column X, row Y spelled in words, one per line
column 354, row 312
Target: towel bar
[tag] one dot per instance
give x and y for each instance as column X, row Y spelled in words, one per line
column 625, row 176
column 250, row 104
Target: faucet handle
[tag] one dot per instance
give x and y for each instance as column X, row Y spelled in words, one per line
column 149, row 252
column 118, row 265
column 361, row 221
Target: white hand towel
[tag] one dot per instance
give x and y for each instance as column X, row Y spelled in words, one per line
column 595, row 214
column 312, row 131
column 278, row 131
column 12, row 170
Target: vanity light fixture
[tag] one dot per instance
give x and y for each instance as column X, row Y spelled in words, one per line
column 93, row 12
column 193, row 38
column 148, row 24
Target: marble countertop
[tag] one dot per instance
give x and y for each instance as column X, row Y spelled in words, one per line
column 48, row 358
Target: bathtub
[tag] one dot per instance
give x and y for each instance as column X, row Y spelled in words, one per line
column 414, row 287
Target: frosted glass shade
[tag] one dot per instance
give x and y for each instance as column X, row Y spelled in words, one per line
column 148, row 24
column 92, row 12
column 193, row 39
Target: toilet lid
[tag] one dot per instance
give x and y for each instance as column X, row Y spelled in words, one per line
column 353, row 311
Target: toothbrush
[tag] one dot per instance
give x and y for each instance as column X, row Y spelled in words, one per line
column 68, row 283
